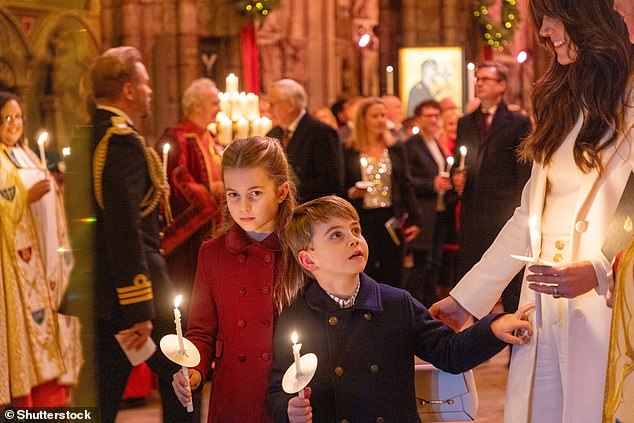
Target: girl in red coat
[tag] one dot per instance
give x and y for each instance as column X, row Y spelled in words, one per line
column 236, row 291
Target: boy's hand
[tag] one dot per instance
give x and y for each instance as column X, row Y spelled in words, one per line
column 503, row 327
column 183, row 387
column 450, row 313
column 299, row 409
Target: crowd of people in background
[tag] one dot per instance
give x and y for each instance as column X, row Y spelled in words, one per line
column 431, row 202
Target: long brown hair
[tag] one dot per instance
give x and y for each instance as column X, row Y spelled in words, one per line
column 268, row 154
column 298, row 234
column 594, row 84
column 359, row 139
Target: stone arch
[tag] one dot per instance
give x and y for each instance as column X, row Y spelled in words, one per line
column 15, row 57
column 64, row 46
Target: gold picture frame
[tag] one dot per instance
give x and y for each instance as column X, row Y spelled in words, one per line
column 430, row 72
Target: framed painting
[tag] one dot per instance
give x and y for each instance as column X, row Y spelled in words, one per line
column 430, row 73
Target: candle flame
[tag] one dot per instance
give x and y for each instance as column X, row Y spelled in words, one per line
column 294, row 338
column 450, row 161
column 463, row 150
column 166, row 148
column 389, row 69
column 177, row 301
column 470, row 66
column 66, row 151
column 42, row 138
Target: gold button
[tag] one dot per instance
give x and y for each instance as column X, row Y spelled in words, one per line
column 367, row 315
column 559, row 244
column 380, row 420
column 374, row 369
column 557, row 258
column 332, row 321
column 581, row 226
column 338, row 370
column 344, row 421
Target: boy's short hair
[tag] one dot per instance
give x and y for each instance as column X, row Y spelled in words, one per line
column 298, row 234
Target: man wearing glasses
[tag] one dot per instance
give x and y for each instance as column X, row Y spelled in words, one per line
column 491, row 184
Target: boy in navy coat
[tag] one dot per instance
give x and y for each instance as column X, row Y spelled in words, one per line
column 365, row 334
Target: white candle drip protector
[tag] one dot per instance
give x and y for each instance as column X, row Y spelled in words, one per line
column 189, row 356
column 292, row 382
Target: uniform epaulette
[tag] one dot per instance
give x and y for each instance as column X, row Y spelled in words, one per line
column 138, row 292
column 159, row 181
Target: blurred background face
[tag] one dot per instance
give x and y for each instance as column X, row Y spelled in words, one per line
column 11, row 125
column 554, row 30
column 429, row 121
column 394, row 109
column 450, row 124
column 625, row 8
column 376, row 119
column 281, row 108
column 142, row 91
column 209, row 105
column 489, row 87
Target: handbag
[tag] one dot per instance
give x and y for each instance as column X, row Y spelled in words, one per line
column 444, row 397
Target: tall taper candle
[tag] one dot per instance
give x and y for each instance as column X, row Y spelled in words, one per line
column 41, row 142
column 296, row 349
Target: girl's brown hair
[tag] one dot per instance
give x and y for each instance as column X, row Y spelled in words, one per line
column 594, row 84
column 268, row 154
column 359, row 139
column 298, row 234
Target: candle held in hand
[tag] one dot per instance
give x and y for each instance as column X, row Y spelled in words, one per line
column 463, row 156
column 166, row 150
column 41, row 143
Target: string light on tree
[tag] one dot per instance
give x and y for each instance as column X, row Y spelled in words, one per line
column 259, row 8
column 497, row 34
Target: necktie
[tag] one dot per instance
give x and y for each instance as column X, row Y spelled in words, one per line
column 485, row 122
column 286, row 137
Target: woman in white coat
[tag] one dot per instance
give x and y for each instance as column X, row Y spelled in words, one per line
column 583, row 158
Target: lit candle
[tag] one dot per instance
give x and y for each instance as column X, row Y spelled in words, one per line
column 389, row 80
column 449, row 165
column 179, row 333
column 267, row 124
column 225, row 129
column 296, row 348
column 41, row 142
column 232, row 83
column 463, row 156
column 166, row 150
column 252, row 111
column 236, row 110
column 471, row 81
column 242, row 128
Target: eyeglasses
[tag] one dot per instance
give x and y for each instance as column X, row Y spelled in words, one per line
column 431, row 115
column 11, row 118
column 486, row 78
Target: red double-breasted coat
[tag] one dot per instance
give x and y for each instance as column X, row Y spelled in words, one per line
column 231, row 322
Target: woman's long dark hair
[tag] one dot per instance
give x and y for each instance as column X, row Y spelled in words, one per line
column 594, row 84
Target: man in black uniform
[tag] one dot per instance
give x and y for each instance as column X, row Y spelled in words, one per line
column 133, row 292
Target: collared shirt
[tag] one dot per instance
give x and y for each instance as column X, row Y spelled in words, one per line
column 293, row 125
column 491, row 111
column 434, row 149
column 346, row 302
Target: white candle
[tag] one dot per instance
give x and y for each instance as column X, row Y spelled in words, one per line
column 177, row 320
column 225, row 130
column 225, row 103
column 236, row 110
column 449, row 164
column 41, row 142
column 296, row 349
column 252, row 111
column 242, row 128
column 471, row 81
column 166, row 150
column 389, row 80
column 232, row 83
column 267, row 124
column 463, row 156
column 179, row 333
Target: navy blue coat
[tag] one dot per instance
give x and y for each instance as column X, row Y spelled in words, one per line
column 366, row 353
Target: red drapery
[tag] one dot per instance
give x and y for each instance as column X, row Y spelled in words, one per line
column 250, row 64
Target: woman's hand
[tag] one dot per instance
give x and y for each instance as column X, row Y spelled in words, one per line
column 566, row 280
column 299, row 409
column 183, row 388
column 355, row 193
column 459, row 179
column 450, row 313
column 506, row 326
column 38, row 190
